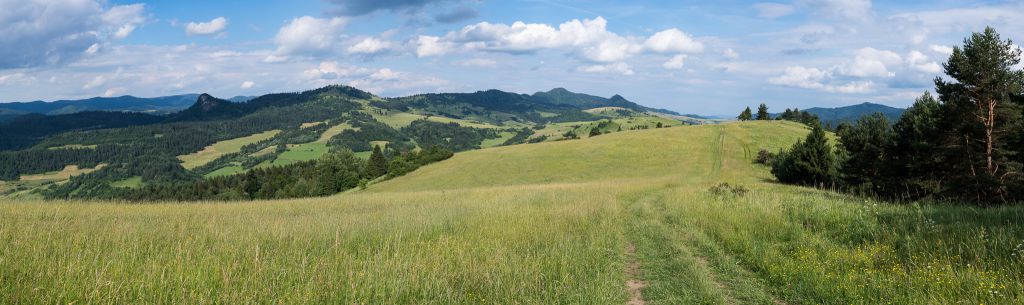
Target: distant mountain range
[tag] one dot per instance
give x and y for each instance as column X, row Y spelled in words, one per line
column 128, row 103
column 850, row 114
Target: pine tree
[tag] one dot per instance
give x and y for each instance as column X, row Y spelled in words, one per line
column 762, row 113
column 979, row 112
column 809, row 162
column 866, row 144
column 377, row 165
column 745, row 115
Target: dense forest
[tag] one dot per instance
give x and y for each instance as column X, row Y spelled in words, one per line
column 966, row 145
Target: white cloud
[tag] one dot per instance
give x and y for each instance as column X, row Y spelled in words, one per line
column 944, row 50
column 871, row 62
column 730, row 54
column 773, row 10
column 125, row 18
column 97, row 81
column 370, row 45
column 389, row 81
column 618, row 67
column 673, row 41
column 116, row 91
column 49, row 32
column 427, row 46
column 813, row 78
column 206, row 28
column 587, row 39
column 675, row 63
column 247, row 85
column 385, row 74
column 922, row 63
column 309, row 36
column 93, row 49
column 331, row 70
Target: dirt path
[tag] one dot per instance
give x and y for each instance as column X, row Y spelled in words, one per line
column 634, row 285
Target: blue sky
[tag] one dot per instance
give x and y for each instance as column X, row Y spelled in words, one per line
column 709, row 57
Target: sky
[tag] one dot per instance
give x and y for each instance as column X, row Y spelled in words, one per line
column 706, row 57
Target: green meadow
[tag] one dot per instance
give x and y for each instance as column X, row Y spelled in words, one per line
column 624, row 217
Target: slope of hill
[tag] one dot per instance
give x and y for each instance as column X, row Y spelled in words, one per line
column 635, row 216
column 850, row 114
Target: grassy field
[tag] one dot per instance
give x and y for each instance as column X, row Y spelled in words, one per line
column 221, row 148
column 595, row 221
column 133, row 182
column 301, row 152
column 64, row 174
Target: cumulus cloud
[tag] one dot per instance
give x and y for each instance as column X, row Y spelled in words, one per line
column 332, row 70
column 618, row 67
column 427, row 46
column 47, row 32
column 309, row 36
column 675, row 63
column 772, row 10
column 247, row 84
column 922, row 63
column 941, row 49
column 673, row 41
column 813, row 78
column 871, row 62
column 206, row 28
column 389, row 81
column 370, row 45
column 587, row 39
column 730, row 54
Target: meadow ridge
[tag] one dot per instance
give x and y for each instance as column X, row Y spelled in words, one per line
column 555, row 222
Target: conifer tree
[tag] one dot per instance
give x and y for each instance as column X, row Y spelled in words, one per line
column 810, row 162
column 746, row 115
column 377, row 165
column 762, row 113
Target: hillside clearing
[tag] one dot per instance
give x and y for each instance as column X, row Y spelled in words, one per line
column 64, row 174
column 216, row 150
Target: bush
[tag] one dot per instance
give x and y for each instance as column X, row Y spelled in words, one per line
column 724, row 189
column 764, row 157
column 810, row 162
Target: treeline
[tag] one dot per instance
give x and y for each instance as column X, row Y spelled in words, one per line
column 794, row 115
column 333, row 173
column 965, row 146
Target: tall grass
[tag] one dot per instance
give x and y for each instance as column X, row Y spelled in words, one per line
column 534, row 245
column 544, row 223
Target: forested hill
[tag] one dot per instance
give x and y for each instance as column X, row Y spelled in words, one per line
column 850, row 114
column 562, row 96
column 111, row 154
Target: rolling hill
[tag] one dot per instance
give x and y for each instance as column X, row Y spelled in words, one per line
column 151, row 148
column 850, row 114
column 635, row 216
